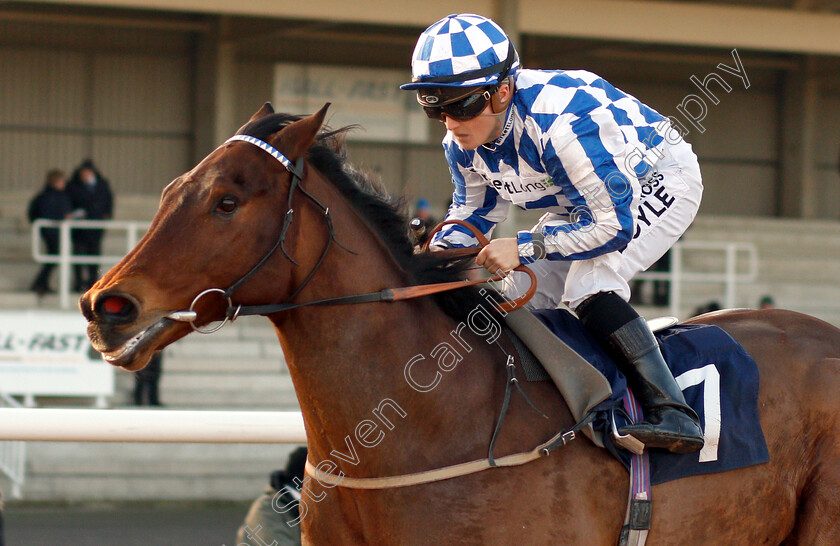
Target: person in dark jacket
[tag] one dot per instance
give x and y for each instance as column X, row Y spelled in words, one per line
column 52, row 203
column 274, row 516
column 90, row 191
column 2, row 533
column 146, row 382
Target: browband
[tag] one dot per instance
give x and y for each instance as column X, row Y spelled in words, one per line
column 291, row 167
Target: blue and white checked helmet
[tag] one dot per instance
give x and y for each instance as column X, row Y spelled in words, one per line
column 463, row 50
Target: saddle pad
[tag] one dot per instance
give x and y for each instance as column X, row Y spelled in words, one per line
column 719, row 380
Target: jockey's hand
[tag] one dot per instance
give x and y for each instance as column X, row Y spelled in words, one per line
column 500, row 254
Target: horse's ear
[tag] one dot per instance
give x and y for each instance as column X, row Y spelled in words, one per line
column 265, row 110
column 300, row 135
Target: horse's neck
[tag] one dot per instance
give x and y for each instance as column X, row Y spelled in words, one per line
column 373, row 362
column 349, row 362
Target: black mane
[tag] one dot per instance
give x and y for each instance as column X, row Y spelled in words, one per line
column 385, row 214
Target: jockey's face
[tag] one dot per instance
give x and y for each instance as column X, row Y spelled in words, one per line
column 472, row 133
column 485, row 127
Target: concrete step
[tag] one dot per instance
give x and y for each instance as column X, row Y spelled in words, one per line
column 263, row 400
column 193, row 366
column 772, row 259
column 16, row 276
column 12, row 223
column 145, row 488
column 220, row 390
column 737, row 226
column 129, row 467
column 224, row 349
column 793, row 241
column 216, row 384
column 244, row 328
column 76, row 471
column 131, row 451
column 17, row 245
column 811, row 270
column 254, row 383
column 234, row 349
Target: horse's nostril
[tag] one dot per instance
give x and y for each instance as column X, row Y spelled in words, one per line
column 115, row 308
column 115, row 305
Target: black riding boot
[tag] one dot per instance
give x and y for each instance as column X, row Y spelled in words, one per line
column 669, row 422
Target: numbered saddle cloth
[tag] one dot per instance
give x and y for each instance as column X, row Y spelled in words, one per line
column 718, row 378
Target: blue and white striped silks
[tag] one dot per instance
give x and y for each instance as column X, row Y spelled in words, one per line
column 573, row 146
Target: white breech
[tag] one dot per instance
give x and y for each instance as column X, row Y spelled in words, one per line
column 670, row 198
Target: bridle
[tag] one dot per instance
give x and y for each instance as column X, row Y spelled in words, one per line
column 234, row 311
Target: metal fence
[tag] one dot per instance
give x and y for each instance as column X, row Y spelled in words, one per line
column 13, row 454
column 730, row 277
column 65, row 257
column 18, row 425
column 678, row 276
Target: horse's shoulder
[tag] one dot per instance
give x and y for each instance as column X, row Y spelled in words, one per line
column 776, row 320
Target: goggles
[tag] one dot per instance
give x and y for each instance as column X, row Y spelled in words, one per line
column 463, row 107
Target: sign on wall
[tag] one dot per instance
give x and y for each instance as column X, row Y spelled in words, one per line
column 47, row 353
column 368, row 97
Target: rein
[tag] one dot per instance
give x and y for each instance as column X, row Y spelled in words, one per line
column 387, row 295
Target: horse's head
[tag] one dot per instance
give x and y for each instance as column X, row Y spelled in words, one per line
column 214, row 224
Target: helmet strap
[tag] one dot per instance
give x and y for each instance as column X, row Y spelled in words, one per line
column 497, row 104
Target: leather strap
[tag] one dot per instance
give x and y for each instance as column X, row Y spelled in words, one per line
column 453, row 471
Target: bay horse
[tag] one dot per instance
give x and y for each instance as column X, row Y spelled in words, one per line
column 362, row 408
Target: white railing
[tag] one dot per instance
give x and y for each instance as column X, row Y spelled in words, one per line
column 676, row 277
column 168, row 426
column 65, row 257
column 13, row 454
column 159, row 426
column 730, row 277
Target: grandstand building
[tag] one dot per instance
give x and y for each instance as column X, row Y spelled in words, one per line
column 147, row 88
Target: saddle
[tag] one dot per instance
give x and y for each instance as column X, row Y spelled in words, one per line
column 545, row 356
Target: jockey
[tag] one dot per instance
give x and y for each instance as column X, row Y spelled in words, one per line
column 617, row 183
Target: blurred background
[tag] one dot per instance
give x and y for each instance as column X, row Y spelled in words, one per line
column 145, row 89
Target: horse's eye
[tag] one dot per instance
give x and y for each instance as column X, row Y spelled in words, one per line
column 227, row 204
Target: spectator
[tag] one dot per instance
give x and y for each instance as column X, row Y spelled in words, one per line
column 423, row 211
column 2, row 534
column 266, row 525
column 146, row 382
column 52, row 203
column 766, row 302
column 708, row 308
column 90, row 191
